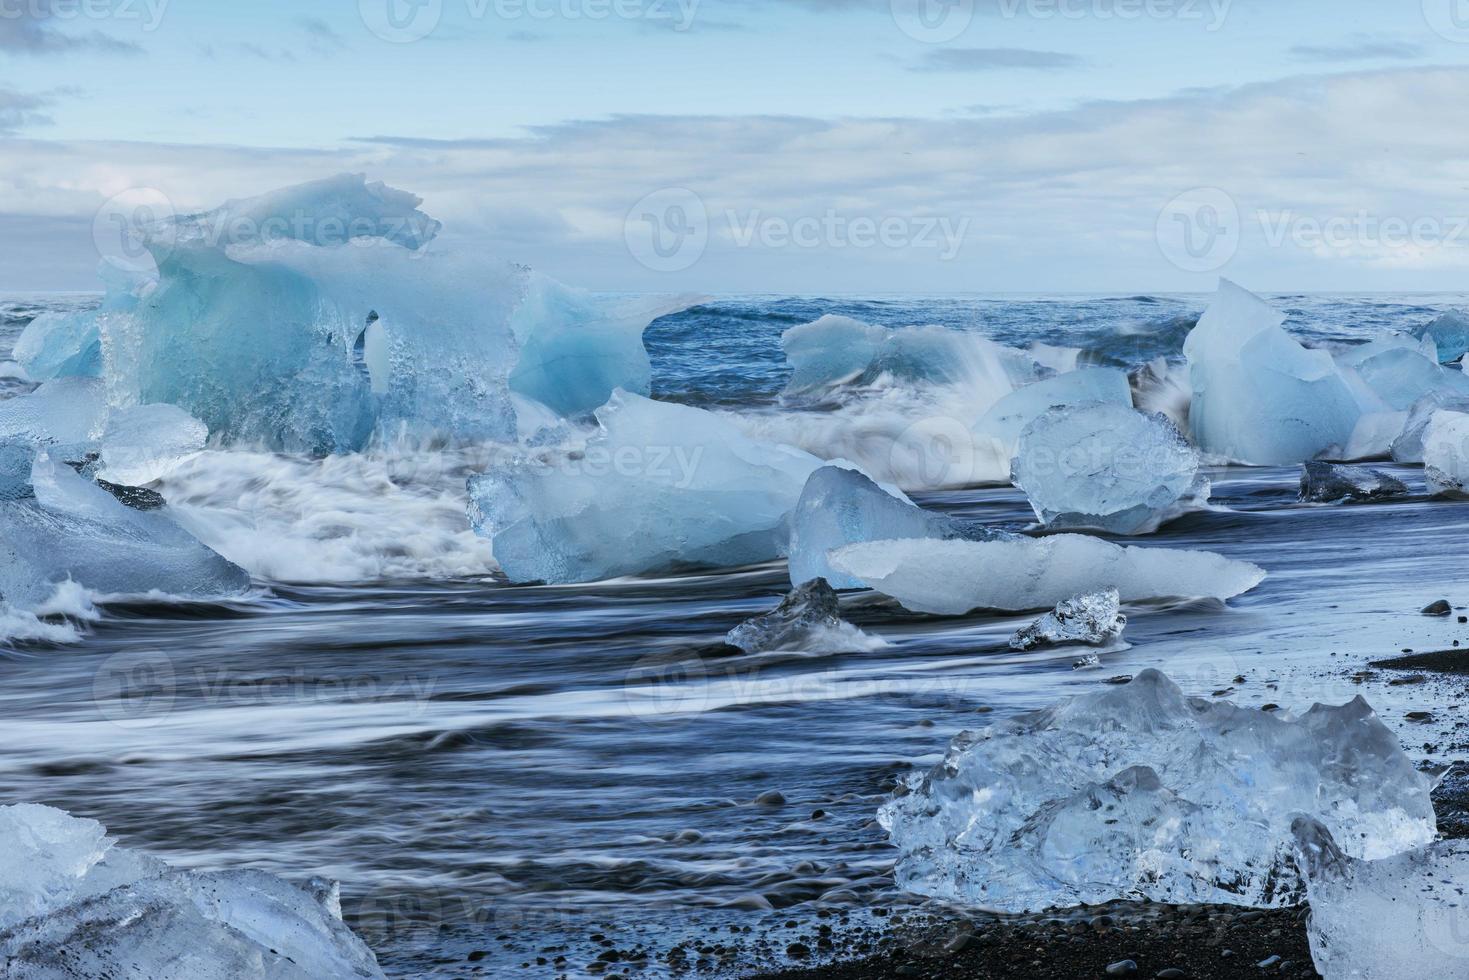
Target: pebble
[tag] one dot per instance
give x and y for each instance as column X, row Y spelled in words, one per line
column 1420, row 716
column 1269, row 963
column 772, row 798
column 1172, row 973
column 1439, row 608
column 1121, row 968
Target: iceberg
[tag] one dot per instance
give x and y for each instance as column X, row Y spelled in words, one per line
column 1449, row 335
column 658, row 485
column 951, row 578
column 74, row 906
column 841, row 506
column 1330, row 483
column 1008, row 417
column 1398, row 916
column 68, row 529
column 1259, row 397
column 1400, row 375
column 1094, row 619
column 316, row 318
column 1446, row 454
column 1107, row 467
column 1139, row 792
column 808, row 620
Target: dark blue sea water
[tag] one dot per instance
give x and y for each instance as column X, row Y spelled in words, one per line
column 499, row 773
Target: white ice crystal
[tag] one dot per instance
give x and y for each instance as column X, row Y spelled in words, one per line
column 1094, row 619
column 1107, row 467
column 1138, row 791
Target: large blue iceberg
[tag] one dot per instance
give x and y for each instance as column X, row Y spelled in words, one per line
column 315, row 318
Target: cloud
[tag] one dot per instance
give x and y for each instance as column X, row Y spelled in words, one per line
column 321, row 36
column 1054, row 200
column 19, row 110
column 1363, row 49
column 996, row 59
column 34, row 28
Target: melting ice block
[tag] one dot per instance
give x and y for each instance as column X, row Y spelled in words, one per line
column 808, row 620
column 951, row 578
column 1107, row 467
column 1259, row 397
column 139, row 444
column 314, row 318
column 1399, row 375
column 1446, row 454
column 71, row 529
column 73, row 906
column 657, row 486
column 1407, row 446
column 1398, row 916
column 1449, row 335
column 1329, row 483
column 67, row 415
column 1094, row 619
column 841, row 506
column 1140, row 792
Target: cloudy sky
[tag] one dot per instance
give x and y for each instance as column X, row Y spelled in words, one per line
column 794, row 146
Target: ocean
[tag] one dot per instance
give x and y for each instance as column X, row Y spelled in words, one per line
column 502, row 775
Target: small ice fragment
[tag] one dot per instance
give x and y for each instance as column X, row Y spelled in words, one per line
column 1107, row 467
column 1407, row 446
column 1259, row 397
column 1446, row 454
column 1136, row 791
column 1009, row 416
column 954, row 577
column 1095, row 619
column 67, row 415
column 1397, row 916
column 139, row 444
column 841, row 506
column 1330, row 483
column 808, row 620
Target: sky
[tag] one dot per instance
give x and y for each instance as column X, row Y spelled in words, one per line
column 774, row 146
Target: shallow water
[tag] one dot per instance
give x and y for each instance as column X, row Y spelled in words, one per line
column 475, row 760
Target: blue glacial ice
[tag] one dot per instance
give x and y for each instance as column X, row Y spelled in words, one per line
column 1449, row 334
column 1107, row 467
column 1259, row 397
column 951, row 578
column 1138, row 792
column 656, row 486
column 1003, row 423
column 1093, row 619
column 69, row 529
column 808, row 620
column 67, row 416
column 1407, row 446
column 75, row 906
column 840, row 506
column 317, row 317
column 140, row 444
